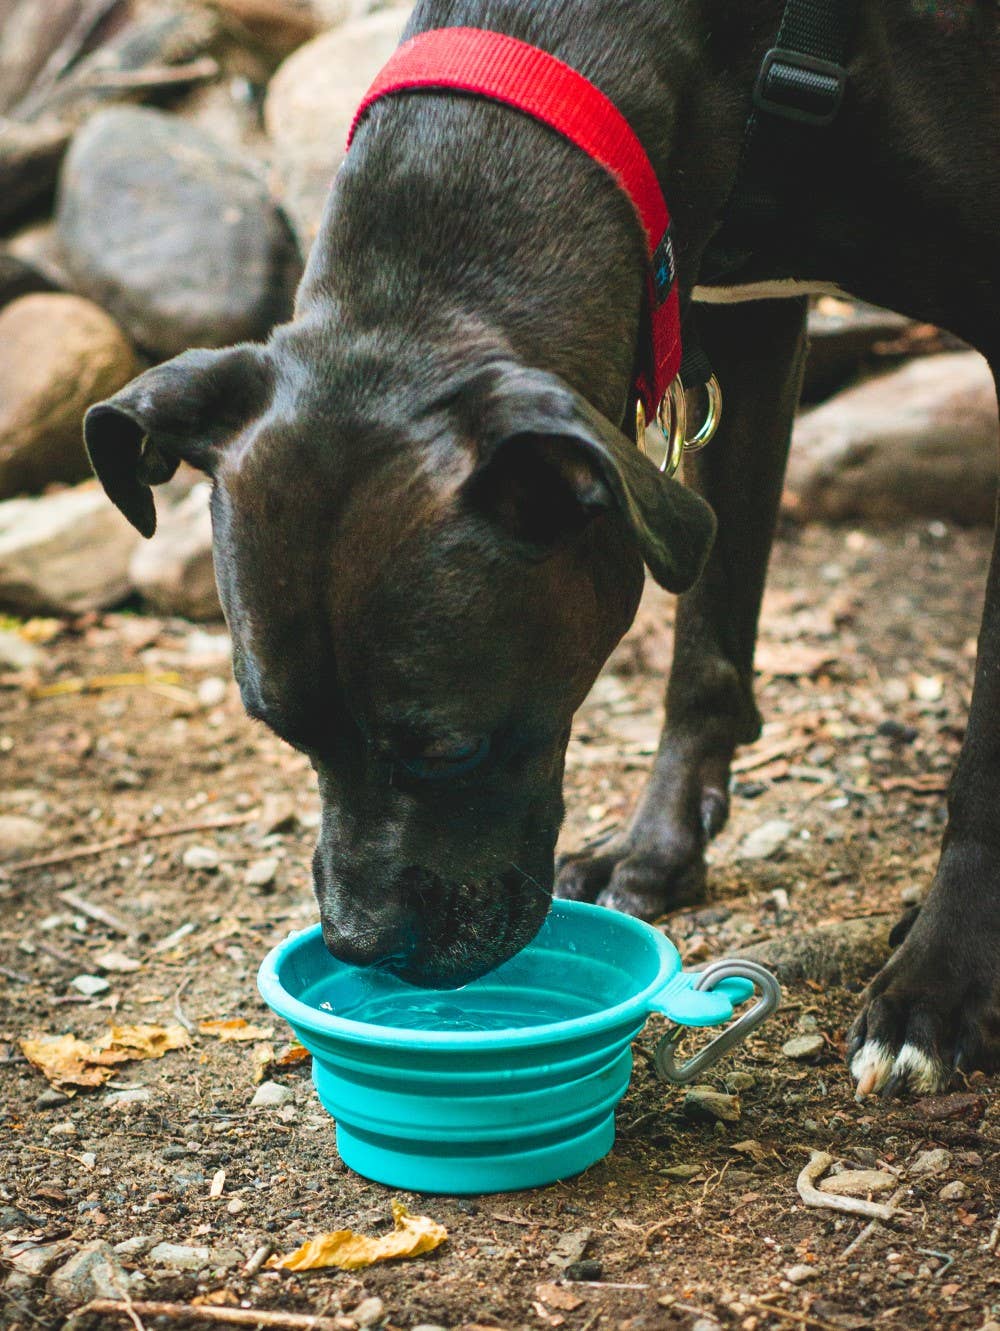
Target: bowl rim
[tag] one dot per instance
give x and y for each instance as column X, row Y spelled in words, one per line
column 299, row 1014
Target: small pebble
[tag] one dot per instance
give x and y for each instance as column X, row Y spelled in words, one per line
column 369, row 1311
column 136, row 1246
column 51, row 1099
column 201, row 857
column 179, row 1257
column 798, row 1275
column 741, row 1081
column 235, row 1206
column 859, row 1183
column 90, row 985
column 212, row 691
column 803, row 1047
column 270, row 1094
column 706, row 1105
column 137, row 1095
column 766, row 840
column 117, row 962
column 584, row 1270
column 261, row 872
column 954, row 1192
column 931, row 1162
column 682, row 1172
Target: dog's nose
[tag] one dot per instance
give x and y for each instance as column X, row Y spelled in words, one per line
column 387, row 945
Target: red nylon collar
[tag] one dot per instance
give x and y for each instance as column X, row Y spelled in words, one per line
column 504, row 69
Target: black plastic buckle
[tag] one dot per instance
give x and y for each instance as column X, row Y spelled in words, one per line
column 799, row 87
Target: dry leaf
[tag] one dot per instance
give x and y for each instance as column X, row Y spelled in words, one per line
column 557, row 1297
column 295, row 1053
column 236, row 1029
column 413, row 1235
column 67, row 1061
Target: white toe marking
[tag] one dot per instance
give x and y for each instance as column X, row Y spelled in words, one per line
column 921, row 1072
column 871, row 1067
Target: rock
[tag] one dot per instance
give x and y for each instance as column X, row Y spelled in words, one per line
column 60, row 354
column 943, row 1108
column 831, row 954
column 179, row 1257
column 201, row 256
column 798, row 1275
column 587, row 1269
column 919, row 441
column 16, row 653
column 804, row 1046
column 136, row 1246
column 212, row 691
column 93, row 1272
column 278, row 26
column 369, row 1312
column 89, row 985
column 201, row 857
column 930, row 1163
column 18, row 278
column 842, row 335
column 310, row 105
column 39, row 1261
column 740, row 1081
column 117, row 962
column 51, row 1099
column 19, row 835
column 277, row 814
column 766, row 840
column 682, row 1172
column 270, row 1094
column 64, row 553
column 706, row 1105
column 261, row 872
column 173, row 571
column 954, row 1192
column 859, row 1183
column 137, row 1095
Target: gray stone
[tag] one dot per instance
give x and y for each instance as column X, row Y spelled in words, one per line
column 831, row 954
column 859, row 1183
column 261, row 872
column 369, row 1312
column 135, row 1095
column 270, row 1094
column 766, row 840
column 179, row 1257
column 64, row 553
column 200, row 256
column 310, row 105
column 936, row 1161
column 803, row 1046
column 137, row 1246
column 60, row 354
column 173, row 571
column 51, row 1099
column 798, row 1275
column 706, row 1105
column 205, row 858
column 919, row 441
column 38, row 1261
column 954, row 1192
column 90, row 985
column 93, row 1272
column 18, row 834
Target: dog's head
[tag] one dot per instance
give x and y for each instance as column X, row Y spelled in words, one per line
column 422, row 581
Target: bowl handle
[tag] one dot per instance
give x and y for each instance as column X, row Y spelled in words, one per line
column 702, row 982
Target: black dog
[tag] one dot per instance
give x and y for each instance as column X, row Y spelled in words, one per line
column 429, row 535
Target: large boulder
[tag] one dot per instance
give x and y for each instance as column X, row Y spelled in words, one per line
column 173, row 572
column 310, row 105
column 173, row 233
column 921, row 441
column 64, row 553
column 60, row 354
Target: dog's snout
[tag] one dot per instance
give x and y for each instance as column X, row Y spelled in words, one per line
column 389, row 945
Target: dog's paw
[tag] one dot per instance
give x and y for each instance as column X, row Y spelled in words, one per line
column 633, row 878
column 935, row 1007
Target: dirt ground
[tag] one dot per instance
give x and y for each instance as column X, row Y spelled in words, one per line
column 866, row 665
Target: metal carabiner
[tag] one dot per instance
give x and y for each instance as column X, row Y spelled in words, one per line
column 770, row 997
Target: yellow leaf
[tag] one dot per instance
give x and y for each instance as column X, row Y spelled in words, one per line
column 237, row 1029
column 413, row 1235
column 67, row 1061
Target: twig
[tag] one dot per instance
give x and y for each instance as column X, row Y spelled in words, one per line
column 15, row 975
column 803, row 1319
column 258, row 1258
column 130, row 839
column 153, row 76
column 225, row 1316
column 97, row 913
column 991, row 1242
column 944, row 1256
column 178, row 1010
column 871, row 1227
column 763, row 756
column 818, row 1164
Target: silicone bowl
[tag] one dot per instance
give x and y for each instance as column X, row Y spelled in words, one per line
column 472, row 1111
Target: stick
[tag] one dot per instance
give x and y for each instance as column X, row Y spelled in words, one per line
column 819, row 1163
column 97, row 913
column 790, row 1316
column 871, row 1227
column 224, row 1316
column 153, row 76
column 994, row 1238
column 130, row 839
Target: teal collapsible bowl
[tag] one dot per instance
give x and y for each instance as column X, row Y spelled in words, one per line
column 493, row 1110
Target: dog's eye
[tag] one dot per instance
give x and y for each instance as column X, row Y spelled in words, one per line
column 439, row 763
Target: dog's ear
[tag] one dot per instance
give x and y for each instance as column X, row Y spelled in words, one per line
column 182, row 411
column 549, row 462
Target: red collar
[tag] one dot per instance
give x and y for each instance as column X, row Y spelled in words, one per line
column 490, row 64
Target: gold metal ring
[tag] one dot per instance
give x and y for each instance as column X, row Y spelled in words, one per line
column 640, row 425
column 713, row 415
column 671, row 417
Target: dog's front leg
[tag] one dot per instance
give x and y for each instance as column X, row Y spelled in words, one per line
column 936, row 1004
column 657, row 861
